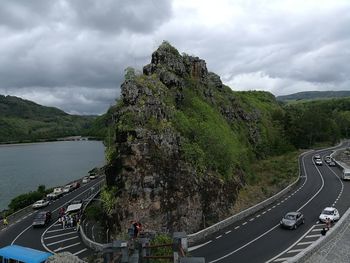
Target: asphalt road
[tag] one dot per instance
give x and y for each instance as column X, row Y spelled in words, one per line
column 22, row 233
column 259, row 237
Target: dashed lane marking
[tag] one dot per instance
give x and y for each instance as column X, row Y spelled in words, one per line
column 218, row 237
column 258, row 216
column 63, row 248
column 252, row 219
column 236, row 227
column 228, row 232
column 244, row 223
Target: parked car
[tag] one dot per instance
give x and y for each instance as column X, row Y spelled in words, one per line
column 292, row 220
column 86, row 179
column 92, row 176
column 42, row 218
column 76, row 185
column 331, row 213
column 67, row 188
column 331, row 163
column 40, row 203
column 318, row 162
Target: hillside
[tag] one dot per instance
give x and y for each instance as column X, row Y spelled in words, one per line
column 313, row 95
column 22, row 120
column 184, row 144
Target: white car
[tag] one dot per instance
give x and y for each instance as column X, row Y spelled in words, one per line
column 85, row 180
column 40, row 204
column 331, row 213
column 318, row 162
column 67, row 188
column 93, row 176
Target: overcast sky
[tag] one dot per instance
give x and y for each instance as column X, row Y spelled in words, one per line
column 72, row 54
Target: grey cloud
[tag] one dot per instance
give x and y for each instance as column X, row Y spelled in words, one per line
column 140, row 16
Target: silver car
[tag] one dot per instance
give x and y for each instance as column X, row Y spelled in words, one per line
column 292, row 220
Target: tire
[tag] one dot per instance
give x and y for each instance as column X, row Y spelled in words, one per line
column 295, row 227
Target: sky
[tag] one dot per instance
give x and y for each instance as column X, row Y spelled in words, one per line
column 72, row 54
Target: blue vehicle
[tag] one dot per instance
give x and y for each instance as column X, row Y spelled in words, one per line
column 19, row 254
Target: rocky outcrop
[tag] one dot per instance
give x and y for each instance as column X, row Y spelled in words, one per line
column 156, row 183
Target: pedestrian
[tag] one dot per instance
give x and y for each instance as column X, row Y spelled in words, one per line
column 136, row 229
column 71, row 221
column 63, row 222
column 323, row 232
column 5, row 221
column 78, row 225
column 328, row 223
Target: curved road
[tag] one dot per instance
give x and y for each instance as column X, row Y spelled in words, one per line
column 23, row 234
column 259, row 238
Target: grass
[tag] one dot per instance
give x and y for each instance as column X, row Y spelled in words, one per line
column 267, row 178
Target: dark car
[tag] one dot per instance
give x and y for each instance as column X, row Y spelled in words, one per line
column 292, row 220
column 42, row 218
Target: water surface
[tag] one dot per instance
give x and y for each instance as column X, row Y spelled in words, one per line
column 23, row 167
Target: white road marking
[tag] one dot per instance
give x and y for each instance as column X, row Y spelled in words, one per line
column 237, row 227
column 281, row 259
column 63, row 248
column 57, row 230
column 257, row 216
column 61, row 241
column 244, row 223
column 295, row 250
column 312, row 236
column 252, row 219
column 20, row 234
column 228, row 232
column 198, row 246
column 81, row 251
column 218, row 237
column 247, row 244
column 305, row 243
column 264, row 212
column 60, row 235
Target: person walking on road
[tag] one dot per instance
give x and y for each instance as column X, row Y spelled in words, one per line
column 5, row 221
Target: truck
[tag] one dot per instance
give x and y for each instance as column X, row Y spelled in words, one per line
column 346, row 174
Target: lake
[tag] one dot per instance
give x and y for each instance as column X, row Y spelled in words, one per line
column 23, row 167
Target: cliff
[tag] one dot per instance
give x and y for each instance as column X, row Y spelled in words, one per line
column 183, row 143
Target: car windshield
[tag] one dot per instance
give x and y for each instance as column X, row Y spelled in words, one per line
column 290, row 217
column 327, row 212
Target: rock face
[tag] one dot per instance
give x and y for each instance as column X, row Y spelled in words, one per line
column 156, row 184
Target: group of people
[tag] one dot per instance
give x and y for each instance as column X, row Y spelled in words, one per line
column 69, row 221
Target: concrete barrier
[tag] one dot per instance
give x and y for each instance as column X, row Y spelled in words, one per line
column 196, row 237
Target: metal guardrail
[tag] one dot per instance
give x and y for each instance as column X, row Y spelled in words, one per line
column 87, row 241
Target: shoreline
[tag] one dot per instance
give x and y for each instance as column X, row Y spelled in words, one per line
column 17, row 143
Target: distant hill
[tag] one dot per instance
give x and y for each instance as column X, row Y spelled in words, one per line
column 25, row 121
column 314, row 95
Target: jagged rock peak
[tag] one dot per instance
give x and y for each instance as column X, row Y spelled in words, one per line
column 169, row 64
